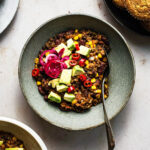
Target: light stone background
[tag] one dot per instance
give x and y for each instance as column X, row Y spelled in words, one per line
column 131, row 126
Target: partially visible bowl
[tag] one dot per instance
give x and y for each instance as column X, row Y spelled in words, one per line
column 125, row 19
column 30, row 139
column 121, row 79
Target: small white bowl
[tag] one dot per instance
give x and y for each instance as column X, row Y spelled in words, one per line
column 30, row 139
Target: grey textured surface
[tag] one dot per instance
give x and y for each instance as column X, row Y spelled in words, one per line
column 131, row 126
column 8, row 10
column 121, row 78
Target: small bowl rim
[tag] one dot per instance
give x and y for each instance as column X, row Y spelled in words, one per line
column 65, row 15
column 27, row 129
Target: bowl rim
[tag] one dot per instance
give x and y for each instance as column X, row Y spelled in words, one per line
column 27, row 129
column 86, row 15
column 12, row 17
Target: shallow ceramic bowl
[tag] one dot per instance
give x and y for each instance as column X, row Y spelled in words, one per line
column 31, row 140
column 121, row 79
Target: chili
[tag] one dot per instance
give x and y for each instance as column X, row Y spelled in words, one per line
column 77, row 47
column 75, row 56
column 72, row 63
column 82, row 77
column 82, row 62
column 35, row 72
column 87, row 83
column 71, row 89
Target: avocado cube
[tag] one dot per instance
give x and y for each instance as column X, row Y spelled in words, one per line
column 77, row 70
column 69, row 97
column 54, row 83
column 54, row 97
column 61, row 88
column 14, row 148
column 70, row 44
column 83, row 50
column 66, row 51
column 61, row 46
column 65, row 77
column 1, row 142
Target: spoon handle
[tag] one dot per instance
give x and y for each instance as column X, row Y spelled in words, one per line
column 110, row 136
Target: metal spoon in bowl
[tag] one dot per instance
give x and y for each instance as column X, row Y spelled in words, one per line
column 110, row 136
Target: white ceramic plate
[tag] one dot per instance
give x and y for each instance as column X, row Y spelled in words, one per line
column 8, row 10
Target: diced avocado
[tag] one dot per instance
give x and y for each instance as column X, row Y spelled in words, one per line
column 70, row 44
column 77, row 70
column 65, row 77
column 83, row 50
column 67, row 63
column 69, row 97
column 61, row 88
column 66, row 53
column 61, row 46
column 54, row 83
column 14, row 148
column 54, row 97
column 1, row 142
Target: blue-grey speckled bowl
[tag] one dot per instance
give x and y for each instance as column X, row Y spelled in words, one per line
column 121, row 78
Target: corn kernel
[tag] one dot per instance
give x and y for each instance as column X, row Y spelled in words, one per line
column 74, row 101
column 21, row 146
column 44, row 59
column 76, row 38
column 80, row 35
column 105, row 59
column 92, row 46
column 97, row 75
column 38, row 83
column 98, row 91
column 75, row 42
column 102, row 52
column 35, row 66
column 46, row 54
column 106, row 86
column 86, row 62
column 90, row 43
column 105, row 96
column 36, row 60
column 87, row 43
column 93, row 80
column 98, row 96
column 87, row 66
column 93, row 87
column 99, row 55
column 76, row 30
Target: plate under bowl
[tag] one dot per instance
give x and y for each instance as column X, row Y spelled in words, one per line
column 121, row 79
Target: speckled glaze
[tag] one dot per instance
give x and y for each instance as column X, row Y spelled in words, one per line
column 121, row 78
column 8, row 9
column 30, row 139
